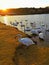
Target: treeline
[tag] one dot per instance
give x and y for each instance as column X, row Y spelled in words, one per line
column 25, row 11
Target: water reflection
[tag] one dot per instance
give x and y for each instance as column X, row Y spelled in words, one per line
column 6, row 20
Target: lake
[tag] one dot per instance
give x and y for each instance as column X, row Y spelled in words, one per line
column 38, row 19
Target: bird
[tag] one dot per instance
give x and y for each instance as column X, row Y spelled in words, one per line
column 34, row 31
column 41, row 36
column 25, row 41
column 14, row 23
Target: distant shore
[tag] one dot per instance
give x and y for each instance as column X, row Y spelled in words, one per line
column 25, row 11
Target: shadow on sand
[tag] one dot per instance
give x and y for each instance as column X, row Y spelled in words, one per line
column 33, row 55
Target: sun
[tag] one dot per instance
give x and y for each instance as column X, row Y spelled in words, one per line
column 4, row 9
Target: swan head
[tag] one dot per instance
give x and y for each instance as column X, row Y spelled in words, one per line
column 19, row 36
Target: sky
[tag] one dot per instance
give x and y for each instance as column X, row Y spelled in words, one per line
column 23, row 3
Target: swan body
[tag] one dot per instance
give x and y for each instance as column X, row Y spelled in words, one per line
column 34, row 31
column 26, row 41
column 41, row 36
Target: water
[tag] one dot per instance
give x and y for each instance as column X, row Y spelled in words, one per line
column 39, row 19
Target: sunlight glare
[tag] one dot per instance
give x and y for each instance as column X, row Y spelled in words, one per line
column 4, row 9
column 5, row 20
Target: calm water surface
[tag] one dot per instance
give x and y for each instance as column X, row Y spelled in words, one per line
column 38, row 19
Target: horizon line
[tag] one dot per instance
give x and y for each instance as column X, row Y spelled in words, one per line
column 23, row 7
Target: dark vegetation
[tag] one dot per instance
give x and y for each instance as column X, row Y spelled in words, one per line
column 25, row 11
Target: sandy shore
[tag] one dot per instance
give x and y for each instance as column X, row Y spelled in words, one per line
column 12, row 54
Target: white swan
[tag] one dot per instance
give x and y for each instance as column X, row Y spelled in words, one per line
column 26, row 41
column 34, row 31
column 41, row 35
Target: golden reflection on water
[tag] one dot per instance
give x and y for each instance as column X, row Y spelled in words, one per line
column 5, row 20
